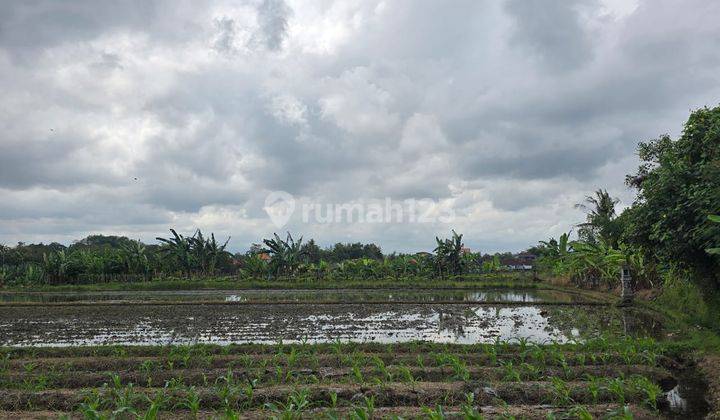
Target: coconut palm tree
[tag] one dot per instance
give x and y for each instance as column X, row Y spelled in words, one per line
column 600, row 209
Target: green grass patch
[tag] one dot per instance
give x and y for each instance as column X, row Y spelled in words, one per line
column 497, row 280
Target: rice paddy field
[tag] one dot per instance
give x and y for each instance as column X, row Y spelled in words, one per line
column 341, row 353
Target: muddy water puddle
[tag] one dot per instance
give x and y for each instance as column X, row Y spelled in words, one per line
column 269, row 323
column 339, row 295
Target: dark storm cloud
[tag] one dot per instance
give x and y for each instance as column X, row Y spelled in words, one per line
column 575, row 163
column 551, row 30
column 188, row 114
column 26, row 26
column 48, row 158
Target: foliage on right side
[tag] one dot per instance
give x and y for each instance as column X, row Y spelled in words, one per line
column 669, row 237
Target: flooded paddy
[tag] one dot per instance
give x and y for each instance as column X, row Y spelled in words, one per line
column 504, row 375
column 302, row 295
column 384, row 316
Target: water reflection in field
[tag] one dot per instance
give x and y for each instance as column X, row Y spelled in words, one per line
column 276, row 295
column 268, row 323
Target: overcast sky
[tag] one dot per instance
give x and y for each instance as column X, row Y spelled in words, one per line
column 131, row 117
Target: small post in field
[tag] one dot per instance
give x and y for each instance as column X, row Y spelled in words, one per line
column 627, row 295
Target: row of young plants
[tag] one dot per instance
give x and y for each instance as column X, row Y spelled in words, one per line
column 597, row 345
column 353, row 368
column 229, row 400
column 268, row 371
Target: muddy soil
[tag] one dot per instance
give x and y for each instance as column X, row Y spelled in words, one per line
column 268, row 323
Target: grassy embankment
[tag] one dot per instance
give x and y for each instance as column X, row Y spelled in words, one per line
column 495, row 280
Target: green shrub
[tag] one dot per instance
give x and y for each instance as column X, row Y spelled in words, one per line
column 681, row 295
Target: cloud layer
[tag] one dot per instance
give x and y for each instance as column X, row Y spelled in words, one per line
column 130, row 117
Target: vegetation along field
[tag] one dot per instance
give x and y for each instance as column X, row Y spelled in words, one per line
column 110, row 327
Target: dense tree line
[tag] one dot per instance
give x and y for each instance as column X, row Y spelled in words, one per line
column 100, row 258
column 671, row 230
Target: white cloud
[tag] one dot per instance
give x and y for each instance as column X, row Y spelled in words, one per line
column 130, row 118
column 357, row 105
column 422, row 135
column 288, row 109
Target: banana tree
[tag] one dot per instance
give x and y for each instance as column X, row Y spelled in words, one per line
column 414, row 266
column 598, row 261
column 215, row 251
column 448, row 255
column 254, row 267
column 364, row 267
column 135, row 258
column 56, row 265
column 558, row 248
column 399, row 266
column 285, row 255
column 207, row 251
column 33, row 274
column 86, row 262
column 179, row 249
column 558, row 254
column 343, row 269
column 199, row 251
column 318, row 270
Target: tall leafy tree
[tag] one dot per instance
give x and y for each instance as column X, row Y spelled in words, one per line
column 312, row 252
column 678, row 185
column 4, row 251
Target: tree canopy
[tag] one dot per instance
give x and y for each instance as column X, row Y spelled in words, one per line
column 678, row 185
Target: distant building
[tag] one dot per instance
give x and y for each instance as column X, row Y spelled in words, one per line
column 423, row 254
column 526, row 258
column 518, row 262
